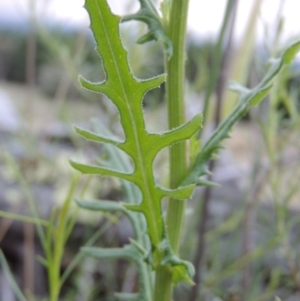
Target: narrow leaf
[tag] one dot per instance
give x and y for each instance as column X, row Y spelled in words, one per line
column 97, row 170
column 180, row 193
column 96, row 138
column 248, row 98
column 97, row 205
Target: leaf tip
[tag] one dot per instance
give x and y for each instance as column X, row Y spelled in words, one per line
column 290, row 53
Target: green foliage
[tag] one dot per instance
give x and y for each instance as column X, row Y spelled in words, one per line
column 248, row 98
column 131, row 162
column 53, row 235
column 150, row 16
column 127, row 92
column 137, row 252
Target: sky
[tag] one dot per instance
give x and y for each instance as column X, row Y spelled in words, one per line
column 205, row 17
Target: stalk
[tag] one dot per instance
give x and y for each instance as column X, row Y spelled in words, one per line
column 175, row 69
column 176, row 113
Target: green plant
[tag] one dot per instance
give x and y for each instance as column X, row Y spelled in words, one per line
column 126, row 92
column 52, row 233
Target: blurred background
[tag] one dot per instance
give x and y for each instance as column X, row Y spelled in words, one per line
column 242, row 236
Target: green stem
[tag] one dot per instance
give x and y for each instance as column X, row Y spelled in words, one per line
column 175, row 68
column 176, row 113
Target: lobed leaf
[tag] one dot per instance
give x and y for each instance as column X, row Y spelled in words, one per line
column 127, row 92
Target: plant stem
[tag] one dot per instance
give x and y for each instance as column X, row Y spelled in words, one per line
column 175, row 68
column 176, row 114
